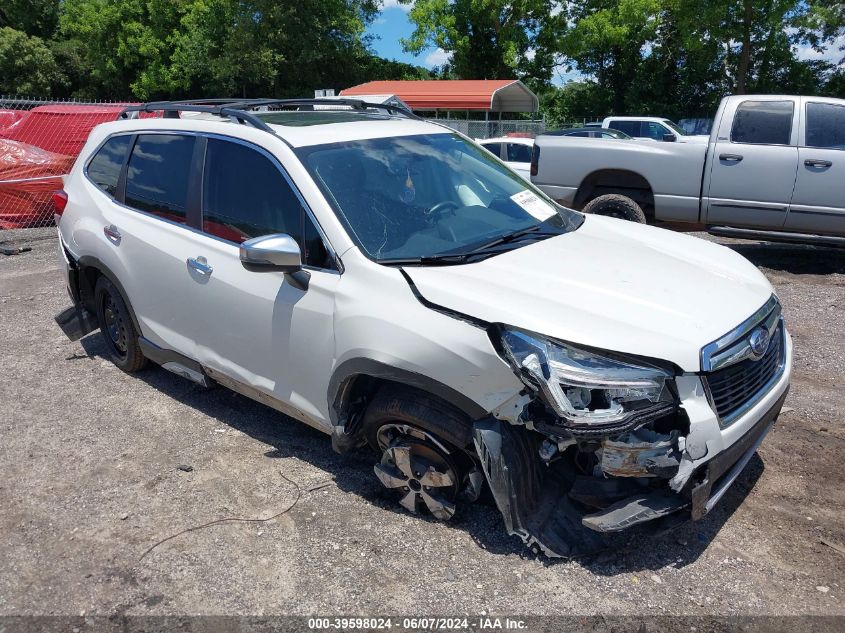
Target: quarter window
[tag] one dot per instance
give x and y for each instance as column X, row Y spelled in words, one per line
column 157, row 177
column 104, row 168
column 763, row 123
column 825, row 126
column 245, row 195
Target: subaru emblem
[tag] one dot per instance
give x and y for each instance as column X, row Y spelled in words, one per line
column 759, row 342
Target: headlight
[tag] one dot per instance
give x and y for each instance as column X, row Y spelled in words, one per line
column 585, row 388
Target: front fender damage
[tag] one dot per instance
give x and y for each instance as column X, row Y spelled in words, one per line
column 566, row 495
column 529, row 499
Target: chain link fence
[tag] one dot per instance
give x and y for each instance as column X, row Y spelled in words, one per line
column 39, row 142
column 493, row 129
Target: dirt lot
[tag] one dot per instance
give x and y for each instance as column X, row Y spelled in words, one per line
column 90, row 480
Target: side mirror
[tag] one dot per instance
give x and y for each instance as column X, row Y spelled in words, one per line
column 277, row 252
column 669, row 138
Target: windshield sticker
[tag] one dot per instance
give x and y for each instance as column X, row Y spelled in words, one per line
column 533, row 204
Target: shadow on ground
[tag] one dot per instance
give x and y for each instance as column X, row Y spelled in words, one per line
column 794, row 258
column 353, row 474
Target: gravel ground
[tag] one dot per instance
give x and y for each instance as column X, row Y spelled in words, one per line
column 90, row 461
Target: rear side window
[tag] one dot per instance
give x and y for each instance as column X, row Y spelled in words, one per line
column 631, row 128
column 825, row 126
column 157, row 178
column 496, row 148
column 519, row 153
column 104, row 168
column 245, row 195
column 763, row 123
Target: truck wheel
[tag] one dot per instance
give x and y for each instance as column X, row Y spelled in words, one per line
column 416, row 436
column 615, row 206
column 117, row 328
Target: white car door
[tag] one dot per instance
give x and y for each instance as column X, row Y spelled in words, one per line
column 262, row 329
column 818, row 204
column 148, row 235
column 753, row 168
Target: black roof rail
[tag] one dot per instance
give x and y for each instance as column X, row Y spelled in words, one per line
column 240, row 109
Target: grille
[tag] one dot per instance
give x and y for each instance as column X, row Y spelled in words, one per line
column 737, row 387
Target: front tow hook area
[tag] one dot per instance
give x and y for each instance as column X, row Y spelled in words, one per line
column 531, row 497
column 76, row 322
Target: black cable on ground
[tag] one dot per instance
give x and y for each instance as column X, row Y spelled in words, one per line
column 299, row 493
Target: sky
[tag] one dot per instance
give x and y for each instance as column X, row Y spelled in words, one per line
column 390, row 27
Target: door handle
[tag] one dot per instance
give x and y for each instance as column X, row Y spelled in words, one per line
column 112, row 233
column 731, row 158
column 200, row 264
column 815, row 162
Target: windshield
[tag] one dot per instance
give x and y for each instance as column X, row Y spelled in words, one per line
column 677, row 128
column 424, row 196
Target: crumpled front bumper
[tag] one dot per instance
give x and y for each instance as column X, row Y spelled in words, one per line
column 536, row 499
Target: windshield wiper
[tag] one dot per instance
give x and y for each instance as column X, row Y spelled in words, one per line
column 474, row 254
column 532, row 231
column 427, row 260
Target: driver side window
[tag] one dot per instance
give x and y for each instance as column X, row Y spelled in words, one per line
column 654, row 130
column 246, row 195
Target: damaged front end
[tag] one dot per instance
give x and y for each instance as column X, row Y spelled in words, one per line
column 592, row 446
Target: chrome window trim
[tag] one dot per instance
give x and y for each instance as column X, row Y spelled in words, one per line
column 224, row 137
column 768, row 314
column 725, row 422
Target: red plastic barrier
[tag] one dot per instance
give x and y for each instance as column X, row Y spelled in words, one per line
column 9, row 117
column 62, row 129
column 28, row 175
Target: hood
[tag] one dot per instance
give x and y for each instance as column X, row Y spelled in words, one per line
column 701, row 139
column 611, row 284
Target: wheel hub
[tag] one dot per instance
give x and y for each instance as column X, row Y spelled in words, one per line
column 114, row 324
column 421, row 474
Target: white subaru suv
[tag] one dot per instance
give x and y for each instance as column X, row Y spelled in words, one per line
column 389, row 282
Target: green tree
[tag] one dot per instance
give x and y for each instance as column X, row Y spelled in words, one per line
column 679, row 57
column 573, row 104
column 487, row 39
column 33, row 17
column 27, row 66
column 170, row 48
column 266, row 47
column 607, row 40
column 756, row 38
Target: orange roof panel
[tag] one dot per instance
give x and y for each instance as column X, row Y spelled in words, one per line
column 507, row 95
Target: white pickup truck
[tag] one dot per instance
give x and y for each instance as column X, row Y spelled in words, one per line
column 651, row 128
column 774, row 169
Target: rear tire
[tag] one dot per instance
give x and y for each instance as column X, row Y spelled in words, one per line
column 616, row 206
column 117, row 327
